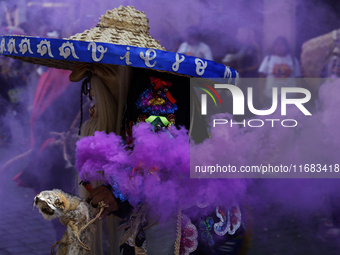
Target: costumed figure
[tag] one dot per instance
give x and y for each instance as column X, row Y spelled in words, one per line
column 320, row 61
column 193, row 46
column 137, row 142
column 320, row 58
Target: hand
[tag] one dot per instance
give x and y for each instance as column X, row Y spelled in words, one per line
column 102, row 193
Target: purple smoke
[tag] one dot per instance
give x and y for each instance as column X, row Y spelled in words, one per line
column 315, row 141
column 161, row 161
column 162, row 169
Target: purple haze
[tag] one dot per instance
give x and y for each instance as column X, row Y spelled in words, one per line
column 316, row 141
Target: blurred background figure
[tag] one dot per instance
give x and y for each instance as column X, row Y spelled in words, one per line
column 332, row 65
column 277, row 66
column 5, row 132
column 14, row 94
column 247, row 58
column 53, row 126
column 13, row 17
column 12, row 14
column 14, row 77
column 50, row 125
column 193, row 46
column 320, row 57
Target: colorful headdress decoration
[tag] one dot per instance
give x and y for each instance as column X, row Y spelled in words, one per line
column 162, row 87
column 120, row 38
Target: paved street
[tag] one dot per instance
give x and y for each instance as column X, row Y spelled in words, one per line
column 22, row 229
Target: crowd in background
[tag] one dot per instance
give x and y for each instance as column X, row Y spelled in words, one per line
column 19, row 80
column 34, row 97
column 278, row 67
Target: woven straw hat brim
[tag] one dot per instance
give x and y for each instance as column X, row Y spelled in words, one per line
column 120, row 38
column 316, row 52
column 65, row 54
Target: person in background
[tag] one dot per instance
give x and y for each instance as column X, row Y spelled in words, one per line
column 5, row 131
column 277, row 67
column 15, row 81
column 14, row 75
column 50, row 163
column 12, row 14
column 246, row 61
column 12, row 18
column 248, row 57
column 193, row 45
column 50, row 156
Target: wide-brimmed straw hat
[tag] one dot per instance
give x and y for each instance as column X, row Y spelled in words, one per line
column 316, row 52
column 120, row 38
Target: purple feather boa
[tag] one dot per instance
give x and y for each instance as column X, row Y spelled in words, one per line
column 162, row 169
